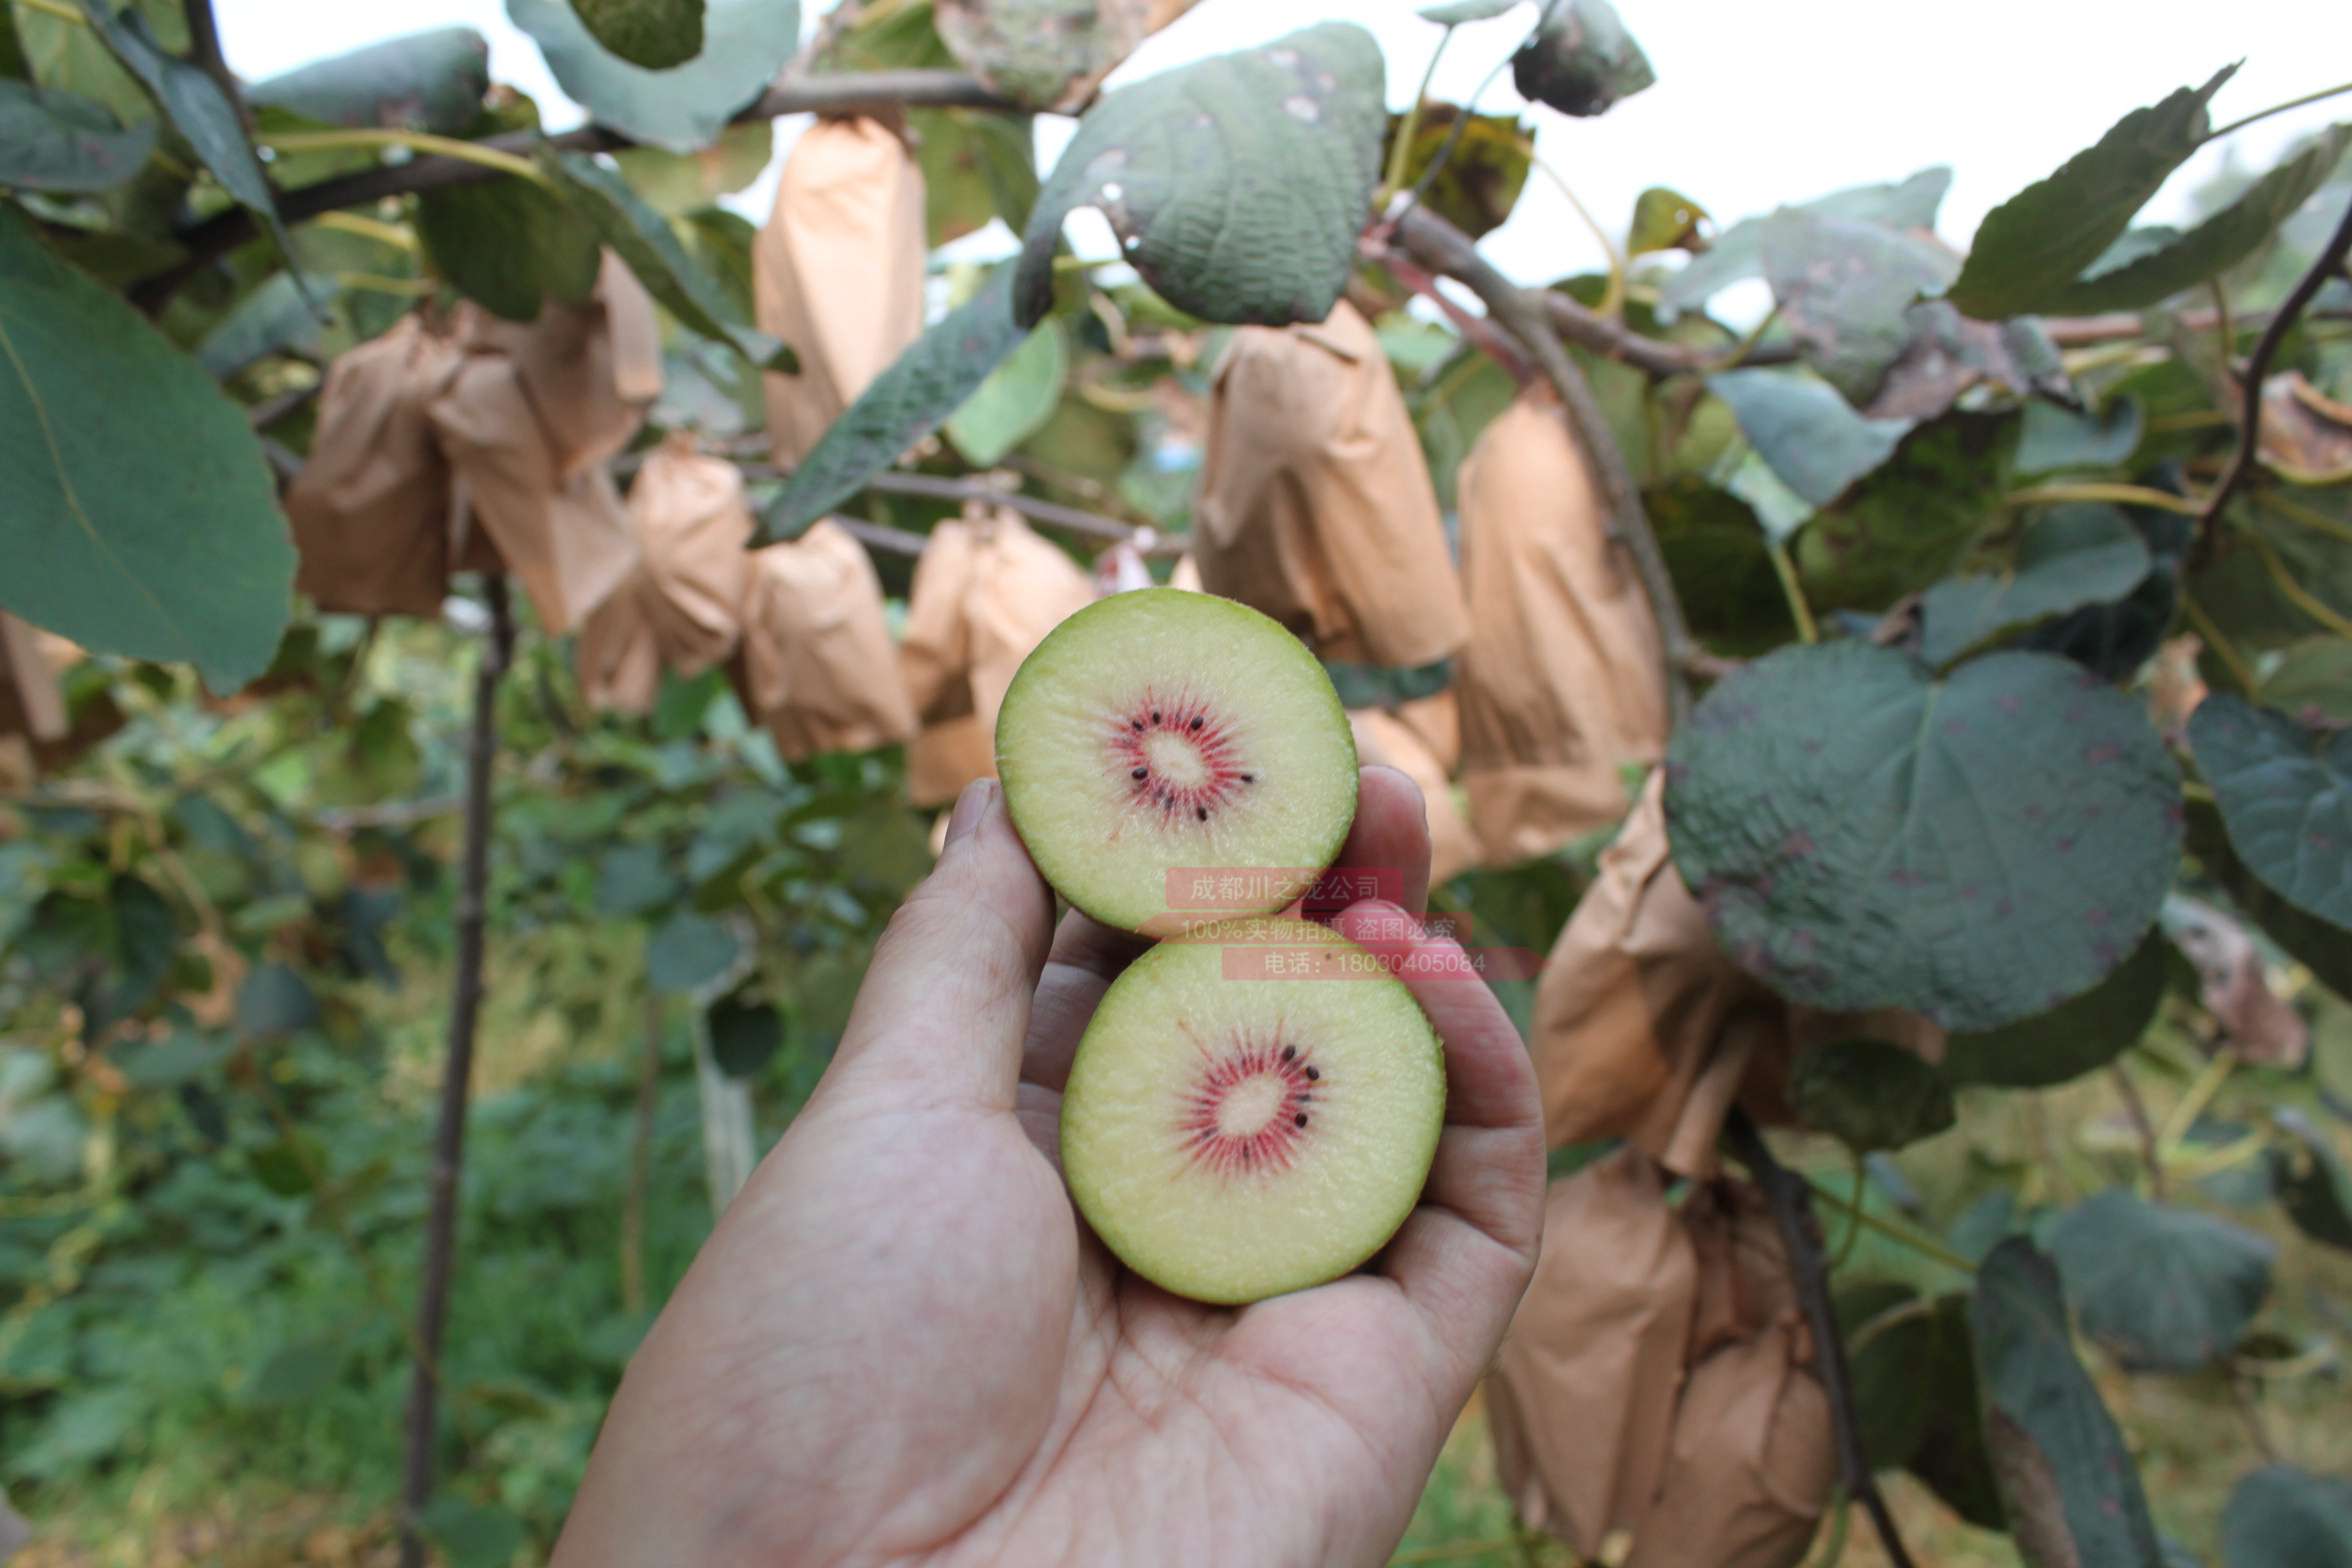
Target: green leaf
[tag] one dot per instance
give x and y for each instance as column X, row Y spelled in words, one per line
column 677, row 183
column 2241, row 594
column 2317, row 944
column 195, row 104
column 1714, row 548
column 2029, row 250
column 98, row 556
column 509, row 244
column 1456, row 13
column 745, row 1035
column 745, row 44
column 1042, row 54
column 287, row 1166
column 2285, row 793
column 1663, row 219
column 1480, row 181
column 656, row 34
column 1869, row 1095
column 635, row 879
column 473, row 1536
column 1845, row 288
column 2314, row 1185
column 1977, row 848
column 2311, row 679
column 1811, row 437
column 2058, row 440
column 297, row 1373
column 2073, row 1038
column 1738, row 252
column 57, row 141
column 2183, row 261
column 1380, row 686
column 1580, row 59
column 2072, row 1494
column 976, row 167
column 689, row 951
column 15, row 65
column 2071, row 556
column 275, row 1002
column 2282, row 1517
column 643, row 238
column 271, row 319
column 429, row 81
column 1911, row 520
column 1015, row 401
column 905, row 403
column 1237, row 185
column 2160, row 1288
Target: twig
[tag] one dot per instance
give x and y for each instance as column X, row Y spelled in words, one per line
column 2137, row 1110
column 465, row 1007
column 1091, row 524
column 1790, row 1196
column 2243, row 121
column 224, row 232
column 880, row 536
column 1442, row 248
column 2282, row 321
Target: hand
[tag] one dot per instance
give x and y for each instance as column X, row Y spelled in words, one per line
column 901, row 1345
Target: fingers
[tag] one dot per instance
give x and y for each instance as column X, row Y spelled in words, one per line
column 1086, row 957
column 1465, row 1255
column 1391, row 837
column 945, row 1005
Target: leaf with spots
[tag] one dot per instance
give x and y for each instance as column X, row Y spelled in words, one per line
column 655, row 34
column 2162, row 1289
column 58, row 141
column 1977, row 848
column 2285, row 793
column 1580, row 59
column 909, row 400
column 1480, row 181
column 1666, row 219
column 2314, row 1184
column 1738, row 252
column 2071, row 556
column 1046, row 54
column 93, row 554
column 1869, row 1095
column 2068, row 1484
column 429, row 81
column 1237, row 185
column 2077, row 1036
column 1845, row 288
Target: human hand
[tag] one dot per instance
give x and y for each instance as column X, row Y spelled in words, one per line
column 901, row 1345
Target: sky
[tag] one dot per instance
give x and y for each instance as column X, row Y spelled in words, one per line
column 1748, row 111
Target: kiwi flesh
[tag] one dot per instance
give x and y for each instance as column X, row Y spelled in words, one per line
column 1172, row 759
column 1253, row 1110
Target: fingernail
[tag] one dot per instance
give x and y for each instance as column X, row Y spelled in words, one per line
column 970, row 807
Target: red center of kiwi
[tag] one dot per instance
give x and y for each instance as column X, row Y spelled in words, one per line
column 1178, row 757
column 1250, row 1109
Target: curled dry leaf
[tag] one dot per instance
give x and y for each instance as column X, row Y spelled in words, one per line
column 2234, row 987
column 2306, row 435
column 1049, row 54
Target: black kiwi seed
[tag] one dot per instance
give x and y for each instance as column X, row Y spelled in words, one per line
column 1196, row 724
column 1249, row 778
column 1314, row 1072
column 1155, row 715
column 1201, row 812
column 1290, row 1053
column 1142, row 773
column 1300, row 1119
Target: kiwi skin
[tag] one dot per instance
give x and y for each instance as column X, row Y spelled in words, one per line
column 1044, row 665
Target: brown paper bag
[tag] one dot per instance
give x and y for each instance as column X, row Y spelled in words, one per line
column 370, row 507
column 32, row 707
column 1438, row 721
column 681, row 608
column 817, row 667
column 838, row 272
column 567, row 541
column 1581, row 1400
column 986, row 591
column 1315, row 504
column 590, row 369
column 1386, row 738
column 1561, row 684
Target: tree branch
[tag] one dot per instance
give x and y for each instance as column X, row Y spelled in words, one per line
column 1442, row 248
column 465, row 1007
column 2330, row 259
column 1791, row 1198
column 843, row 94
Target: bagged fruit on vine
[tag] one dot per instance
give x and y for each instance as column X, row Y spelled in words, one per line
column 590, row 369
column 1385, row 738
column 1437, row 719
column 566, row 540
column 837, row 272
column 1562, row 683
column 681, row 608
column 370, row 507
column 31, row 705
column 816, row 666
column 1315, row 505
column 1581, row 1398
column 986, row 591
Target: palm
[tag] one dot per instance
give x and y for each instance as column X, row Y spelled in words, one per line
column 901, row 1345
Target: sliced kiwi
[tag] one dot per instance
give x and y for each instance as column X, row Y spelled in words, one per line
column 1253, row 1110
column 1172, row 758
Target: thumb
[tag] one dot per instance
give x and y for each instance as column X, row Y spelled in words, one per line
column 944, row 1006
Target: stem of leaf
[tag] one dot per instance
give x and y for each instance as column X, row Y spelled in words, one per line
column 2218, row 641
column 1894, row 1231
column 1613, row 300
column 2259, row 114
column 1399, row 154
column 1792, row 590
column 393, row 236
column 2126, row 495
column 2200, row 1095
column 1853, row 1235
column 58, row 9
column 2294, row 592
column 1841, row 1514
column 2310, row 517
column 415, row 141
column 2150, row 1154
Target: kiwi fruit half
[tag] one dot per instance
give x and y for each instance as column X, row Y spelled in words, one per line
column 1252, row 1110
column 1173, row 758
